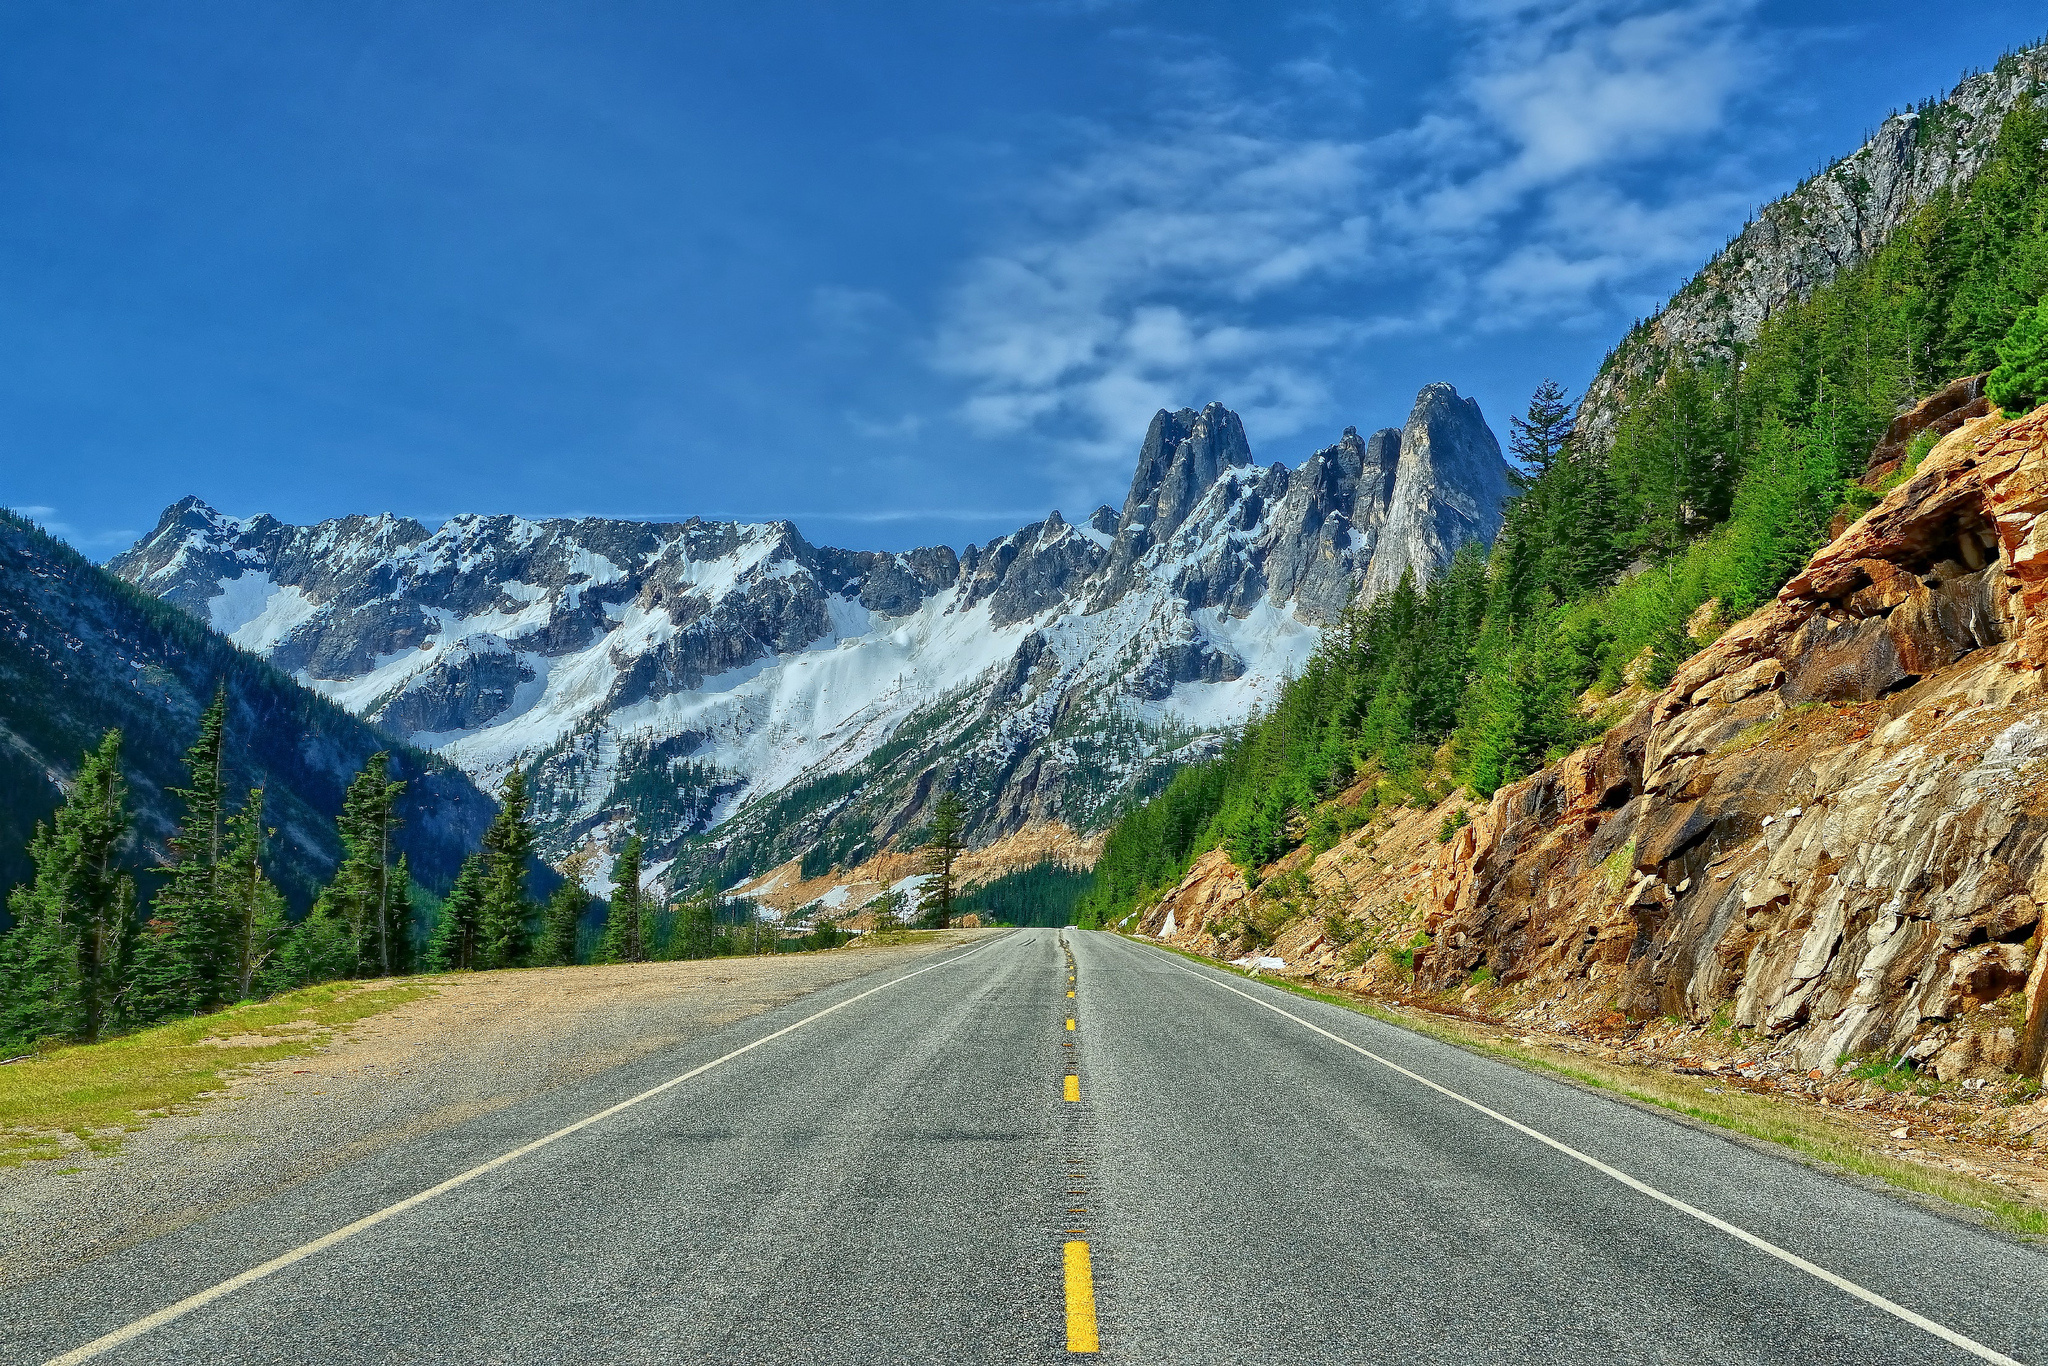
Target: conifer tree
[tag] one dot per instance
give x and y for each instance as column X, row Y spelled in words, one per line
column 1538, row 437
column 64, row 961
column 508, row 844
column 257, row 911
column 186, row 959
column 367, row 894
column 456, row 945
column 2020, row 383
column 942, row 846
column 622, row 923
column 694, row 933
column 320, row 948
column 557, row 946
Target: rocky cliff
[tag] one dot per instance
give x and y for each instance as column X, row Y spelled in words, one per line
column 1833, row 221
column 1826, row 836
column 694, row 676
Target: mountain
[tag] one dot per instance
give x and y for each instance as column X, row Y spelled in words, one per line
column 82, row 651
column 702, row 676
column 1834, row 221
column 1824, row 836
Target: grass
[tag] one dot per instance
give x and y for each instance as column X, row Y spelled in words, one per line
column 1806, row 1130
column 96, row 1092
column 889, row 939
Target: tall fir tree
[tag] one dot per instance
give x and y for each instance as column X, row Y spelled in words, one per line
column 320, row 948
column 622, row 943
column 63, row 964
column 508, row 844
column 186, row 962
column 457, row 941
column 557, row 947
column 367, row 894
column 257, row 917
column 941, row 847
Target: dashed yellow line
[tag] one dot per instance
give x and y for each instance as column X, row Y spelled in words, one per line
column 1073, row 1087
column 1080, row 1300
column 1070, row 1024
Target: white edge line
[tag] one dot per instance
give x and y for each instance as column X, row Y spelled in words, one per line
column 102, row 1345
column 1871, row 1297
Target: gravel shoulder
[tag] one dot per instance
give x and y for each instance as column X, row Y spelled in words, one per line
column 479, row 1042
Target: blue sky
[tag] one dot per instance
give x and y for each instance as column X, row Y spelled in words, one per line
column 904, row 274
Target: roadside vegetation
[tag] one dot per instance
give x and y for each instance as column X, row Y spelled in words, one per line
column 1721, row 480
column 95, row 1092
column 86, row 959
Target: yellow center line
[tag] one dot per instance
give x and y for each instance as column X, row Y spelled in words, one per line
column 1080, row 1300
column 1070, row 1024
column 1070, row 993
column 1073, row 1087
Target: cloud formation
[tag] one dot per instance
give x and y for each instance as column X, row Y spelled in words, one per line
column 1224, row 252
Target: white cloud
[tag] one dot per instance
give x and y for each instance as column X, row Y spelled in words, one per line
column 1222, row 255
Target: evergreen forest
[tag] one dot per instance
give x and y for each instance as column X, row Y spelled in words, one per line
column 85, row 958
column 1724, row 473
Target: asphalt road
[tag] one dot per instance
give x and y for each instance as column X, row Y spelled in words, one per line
column 903, row 1179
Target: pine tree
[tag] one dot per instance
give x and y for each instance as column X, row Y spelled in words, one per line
column 2020, row 383
column 694, row 934
column 622, row 923
column 367, row 894
column 1539, row 436
column 888, row 913
column 508, row 844
column 257, row 912
column 187, row 956
column 942, row 846
column 557, row 946
column 64, row 961
column 320, row 948
column 456, row 944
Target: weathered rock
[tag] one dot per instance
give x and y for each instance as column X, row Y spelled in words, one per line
column 1827, row 829
column 1834, row 221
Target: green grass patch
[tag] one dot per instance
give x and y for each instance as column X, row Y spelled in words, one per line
column 96, row 1092
column 1806, row 1130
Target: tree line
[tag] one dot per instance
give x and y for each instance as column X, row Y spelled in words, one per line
column 82, row 961
column 1723, row 476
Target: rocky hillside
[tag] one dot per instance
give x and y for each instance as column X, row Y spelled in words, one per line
column 1824, row 840
column 797, row 699
column 1833, row 221
column 82, row 651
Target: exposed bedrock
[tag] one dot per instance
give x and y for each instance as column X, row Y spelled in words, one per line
column 1831, row 824
column 1829, row 829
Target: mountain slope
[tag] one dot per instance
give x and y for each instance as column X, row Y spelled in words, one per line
column 698, row 675
column 1825, row 836
column 1832, row 222
column 81, row 651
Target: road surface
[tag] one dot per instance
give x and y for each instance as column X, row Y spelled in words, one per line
column 928, row 1164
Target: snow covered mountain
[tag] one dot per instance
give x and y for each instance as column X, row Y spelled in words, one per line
column 720, row 677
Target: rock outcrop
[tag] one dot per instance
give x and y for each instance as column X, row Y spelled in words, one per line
column 1828, row 831
column 686, row 676
column 1836, row 220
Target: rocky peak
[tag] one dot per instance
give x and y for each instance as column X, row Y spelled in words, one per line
column 1449, row 487
column 1834, row 221
column 1183, row 454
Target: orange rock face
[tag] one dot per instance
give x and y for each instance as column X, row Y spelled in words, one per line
column 1829, row 829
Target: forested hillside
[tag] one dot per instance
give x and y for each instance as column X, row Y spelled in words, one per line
column 82, row 652
column 1617, row 560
